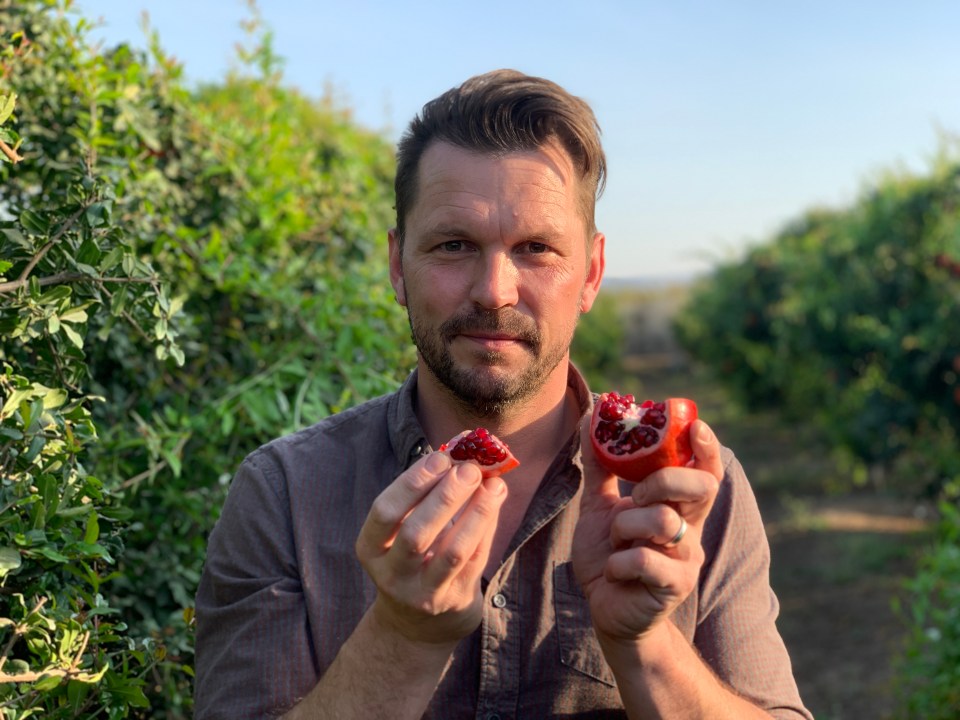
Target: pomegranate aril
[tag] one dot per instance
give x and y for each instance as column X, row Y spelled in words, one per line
column 480, row 446
column 655, row 416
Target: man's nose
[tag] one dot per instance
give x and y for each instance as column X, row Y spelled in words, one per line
column 496, row 282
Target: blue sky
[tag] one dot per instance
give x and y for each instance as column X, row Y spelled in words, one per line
column 721, row 120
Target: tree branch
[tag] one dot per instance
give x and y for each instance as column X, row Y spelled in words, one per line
column 65, row 277
column 18, row 631
column 68, row 223
column 10, row 153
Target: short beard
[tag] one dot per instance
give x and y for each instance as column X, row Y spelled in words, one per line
column 483, row 395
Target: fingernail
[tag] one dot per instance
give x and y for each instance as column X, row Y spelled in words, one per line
column 467, row 473
column 495, row 486
column 705, row 434
column 437, row 462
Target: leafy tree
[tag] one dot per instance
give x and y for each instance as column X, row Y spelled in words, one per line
column 184, row 276
column 847, row 320
column 928, row 672
column 598, row 344
column 72, row 155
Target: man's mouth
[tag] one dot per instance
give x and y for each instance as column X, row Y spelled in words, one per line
column 491, row 340
column 492, row 333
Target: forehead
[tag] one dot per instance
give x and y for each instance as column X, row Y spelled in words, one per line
column 452, row 178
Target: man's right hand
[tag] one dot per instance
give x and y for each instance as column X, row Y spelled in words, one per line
column 425, row 543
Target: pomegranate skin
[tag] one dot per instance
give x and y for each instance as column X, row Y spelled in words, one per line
column 668, row 439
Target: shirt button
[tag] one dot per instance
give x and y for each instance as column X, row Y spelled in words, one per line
column 493, row 716
column 499, row 601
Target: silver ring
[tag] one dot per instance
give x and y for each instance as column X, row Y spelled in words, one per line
column 675, row 540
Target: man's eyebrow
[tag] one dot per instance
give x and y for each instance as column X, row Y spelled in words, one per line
column 464, row 231
column 451, row 229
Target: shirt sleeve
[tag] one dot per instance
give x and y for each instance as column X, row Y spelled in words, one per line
column 253, row 651
column 736, row 626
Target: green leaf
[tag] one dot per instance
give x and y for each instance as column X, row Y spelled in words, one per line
column 47, row 683
column 92, row 532
column 119, row 301
column 7, row 105
column 10, row 138
column 76, row 511
column 51, row 554
column 13, row 401
column 9, row 560
column 131, row 693
column 53, row 398
column 36, row 445
column 90, row 550
column 34, row 222
column 98, row 214
column 16, row 237
column 111, row 259
column 73, row 335
column 50, row 493
column 5, row 265
column 11, row 433
column 173, row 461
column 55, row 295
column 75, row 315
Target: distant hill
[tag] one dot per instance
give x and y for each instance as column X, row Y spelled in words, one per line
column 652, row 282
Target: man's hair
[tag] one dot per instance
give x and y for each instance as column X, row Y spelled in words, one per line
column 501, row 112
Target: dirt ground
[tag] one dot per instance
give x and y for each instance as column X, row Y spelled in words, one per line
column 837, row 571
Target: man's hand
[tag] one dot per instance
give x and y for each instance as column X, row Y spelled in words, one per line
column 632, row 580
column 425, row 544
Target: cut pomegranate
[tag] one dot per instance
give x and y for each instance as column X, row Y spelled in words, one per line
column 632, row 441
column 484, row 448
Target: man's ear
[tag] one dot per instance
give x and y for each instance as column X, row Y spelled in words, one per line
column 396, row 267
column 595, row 267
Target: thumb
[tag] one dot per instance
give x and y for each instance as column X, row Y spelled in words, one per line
column 597, row 480
column 706, row 449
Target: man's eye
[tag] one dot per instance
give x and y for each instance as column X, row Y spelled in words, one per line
column 537, row 248
column 452, row 245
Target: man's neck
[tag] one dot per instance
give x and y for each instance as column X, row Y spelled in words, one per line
column 534, row 427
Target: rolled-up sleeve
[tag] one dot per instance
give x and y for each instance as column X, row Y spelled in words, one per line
column 253, row 650
column 736, row 629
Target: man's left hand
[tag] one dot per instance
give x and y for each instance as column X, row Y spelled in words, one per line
column 632, row 576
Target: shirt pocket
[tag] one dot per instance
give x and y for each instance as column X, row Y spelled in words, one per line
column 579, row 648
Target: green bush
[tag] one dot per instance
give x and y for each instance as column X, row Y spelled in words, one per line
column 929, row 670
column 847, row 319
column 598, row 344
column 73, row 155
column 184, row 276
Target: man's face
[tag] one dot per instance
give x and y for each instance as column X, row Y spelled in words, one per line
column 495, row 270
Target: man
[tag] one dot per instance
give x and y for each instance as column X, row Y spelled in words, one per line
column 355, row 574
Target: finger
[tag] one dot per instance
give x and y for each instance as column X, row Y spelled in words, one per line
column 657, row 524
column 598, row 482
column 706, row 449
column 679, row 486
column 397, row 500
column 463, row 550
column 428, row 519
column 677, row 569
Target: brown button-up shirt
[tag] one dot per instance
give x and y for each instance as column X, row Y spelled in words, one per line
column 282, row 589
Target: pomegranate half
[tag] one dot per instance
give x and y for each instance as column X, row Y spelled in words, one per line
column 482, row 447
column 632, row 441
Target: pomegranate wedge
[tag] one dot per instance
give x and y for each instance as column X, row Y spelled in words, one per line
column 484, row 448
